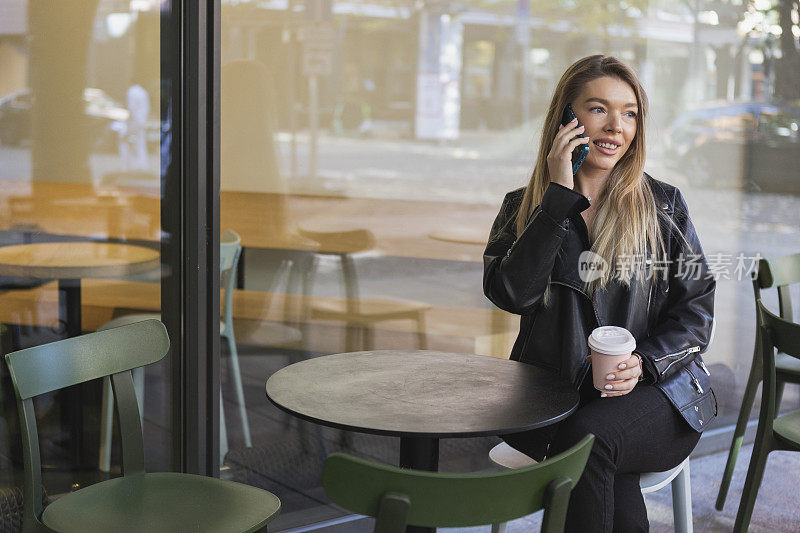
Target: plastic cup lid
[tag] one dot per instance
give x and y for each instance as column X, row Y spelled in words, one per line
column 612, row 340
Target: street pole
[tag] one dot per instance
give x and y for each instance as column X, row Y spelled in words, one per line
column 318, row 39
column 290, row 38
column 313, row 104
column 523, row 35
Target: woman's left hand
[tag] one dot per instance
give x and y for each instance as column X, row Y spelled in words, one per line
column 624, row 379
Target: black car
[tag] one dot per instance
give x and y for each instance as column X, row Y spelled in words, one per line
column 750, row 145
column 106, row 118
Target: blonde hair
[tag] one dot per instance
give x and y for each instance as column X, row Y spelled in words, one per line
column 627, row 220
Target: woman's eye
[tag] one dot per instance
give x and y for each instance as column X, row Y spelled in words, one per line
column 632, row 114
column 599, row 108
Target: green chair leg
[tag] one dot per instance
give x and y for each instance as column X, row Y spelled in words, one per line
column 392, row 513
column 755, row 473
column 556, row 500
column 738, row 433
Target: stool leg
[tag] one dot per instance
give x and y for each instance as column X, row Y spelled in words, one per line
column 106, row 425
column 351, row 334
column 422, row 338
column 682, row 501
column 237, row 382
column 369, row 337
column 223, row 431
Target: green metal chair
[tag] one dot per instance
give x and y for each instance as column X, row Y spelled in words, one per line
column 779, row 273
column 398, row 497
column 774, row 432
column 679, row 479
column 137, row 501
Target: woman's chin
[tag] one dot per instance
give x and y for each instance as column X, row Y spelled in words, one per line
column 604, row 164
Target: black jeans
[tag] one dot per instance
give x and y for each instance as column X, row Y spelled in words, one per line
column 636, row 433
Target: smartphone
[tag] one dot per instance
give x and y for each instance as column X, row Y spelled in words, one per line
column 580, row 152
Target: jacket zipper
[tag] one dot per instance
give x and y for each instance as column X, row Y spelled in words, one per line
column 687, row 350
column 684, row 354
column 695, row 382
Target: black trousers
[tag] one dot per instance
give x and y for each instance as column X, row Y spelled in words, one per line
column 636, row 433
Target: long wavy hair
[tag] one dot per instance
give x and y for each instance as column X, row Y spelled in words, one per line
column 627, row 220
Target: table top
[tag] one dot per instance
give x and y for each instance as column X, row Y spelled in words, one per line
column 414, row 393
column 63, row 260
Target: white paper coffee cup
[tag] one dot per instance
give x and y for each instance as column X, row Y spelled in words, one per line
column 610, row 346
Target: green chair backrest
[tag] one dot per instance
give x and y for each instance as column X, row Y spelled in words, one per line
column 113, row 352
column 779, row 272
column 775, row 332
column 398, row 497
column 230, row 249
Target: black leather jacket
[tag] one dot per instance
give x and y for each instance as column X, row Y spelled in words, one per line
column 670, row 318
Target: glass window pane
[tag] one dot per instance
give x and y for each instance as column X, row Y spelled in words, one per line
column 80, row 203
column 366, row 148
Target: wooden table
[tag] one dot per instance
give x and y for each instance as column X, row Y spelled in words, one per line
column 68, row 262
column 421, row 397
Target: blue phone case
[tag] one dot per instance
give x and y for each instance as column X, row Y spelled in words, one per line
column 580, row 153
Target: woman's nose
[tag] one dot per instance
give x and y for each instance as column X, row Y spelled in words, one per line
column 614, row 124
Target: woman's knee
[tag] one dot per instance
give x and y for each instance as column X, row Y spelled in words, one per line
column 572, row 430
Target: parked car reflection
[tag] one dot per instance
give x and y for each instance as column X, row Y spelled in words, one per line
column 106, row 119
column 752, row 145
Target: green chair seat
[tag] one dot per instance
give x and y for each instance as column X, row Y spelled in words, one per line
column 787, row 427
column 162, row 502
column 786, row 364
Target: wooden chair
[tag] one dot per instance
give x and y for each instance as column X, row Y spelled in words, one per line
column 137, row 501
column 360, row 317
column 399, row 497
column 780, row 273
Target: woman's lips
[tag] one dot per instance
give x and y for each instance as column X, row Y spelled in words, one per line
column 606, row 151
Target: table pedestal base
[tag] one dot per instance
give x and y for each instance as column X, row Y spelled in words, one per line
column 419, row 453
column 74, row 398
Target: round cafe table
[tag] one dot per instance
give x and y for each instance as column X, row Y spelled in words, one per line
column 68, row 262
column 421, row 396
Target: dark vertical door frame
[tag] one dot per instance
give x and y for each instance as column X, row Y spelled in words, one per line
column 190, row 214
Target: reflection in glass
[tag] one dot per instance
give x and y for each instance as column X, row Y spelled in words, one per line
column 80, row 228
column 383, row 136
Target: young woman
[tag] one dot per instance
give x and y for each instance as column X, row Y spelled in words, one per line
column 656, row 284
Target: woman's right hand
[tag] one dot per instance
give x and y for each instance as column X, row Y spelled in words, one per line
column 559, row 160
